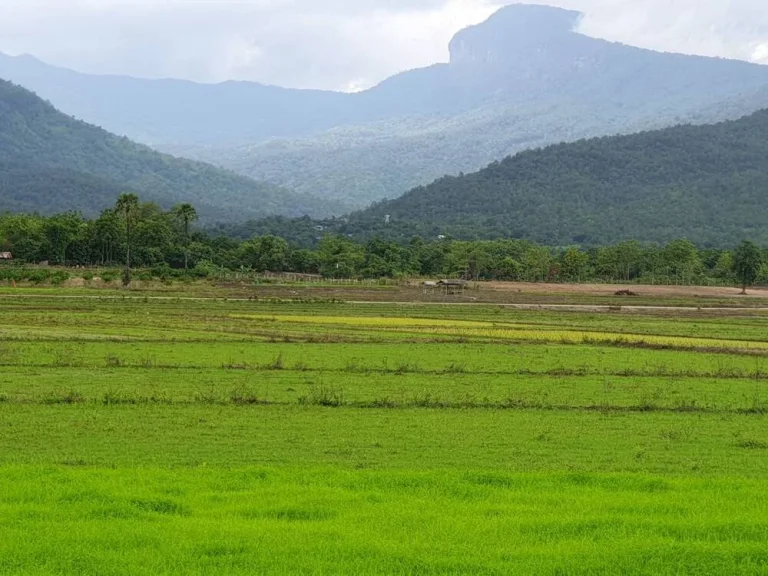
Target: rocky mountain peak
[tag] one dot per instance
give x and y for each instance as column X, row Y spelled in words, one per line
column 513, row 31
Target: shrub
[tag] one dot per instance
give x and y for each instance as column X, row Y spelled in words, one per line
column 162, row 271
column 58, row 277
column 37, row 276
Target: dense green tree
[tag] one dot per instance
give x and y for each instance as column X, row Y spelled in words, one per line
column 265, row 254
column 574, row 264
column 24, row 236
column 108, row 236
column 61, row 230
column 156, row 237
column 723, row 266
column 340, row 257
column 304, row 261
column 681, row 260
column 747, row 260
column 537, row 262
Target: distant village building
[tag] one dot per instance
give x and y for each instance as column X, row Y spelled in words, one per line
column 6, row 256
column 448, row 287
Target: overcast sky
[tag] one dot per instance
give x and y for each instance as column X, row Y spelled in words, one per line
column 334, row 44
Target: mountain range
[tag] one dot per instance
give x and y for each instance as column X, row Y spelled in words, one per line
column 523, row 79
column 50, row 162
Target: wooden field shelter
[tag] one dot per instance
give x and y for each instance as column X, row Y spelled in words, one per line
column 452, row 287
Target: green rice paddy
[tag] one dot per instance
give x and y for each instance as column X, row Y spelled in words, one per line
column 176, row 436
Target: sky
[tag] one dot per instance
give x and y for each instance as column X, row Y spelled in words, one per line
column 335, row 44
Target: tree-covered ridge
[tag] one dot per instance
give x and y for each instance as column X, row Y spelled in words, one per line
column 706, row 183
column 51, row 162
column 145, row 236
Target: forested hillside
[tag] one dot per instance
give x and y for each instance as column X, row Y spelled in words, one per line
column 523, row 79
column 705, row 183
column 50, row 162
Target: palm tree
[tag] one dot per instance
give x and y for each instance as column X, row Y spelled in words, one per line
column 186, row 214
column 128, row 207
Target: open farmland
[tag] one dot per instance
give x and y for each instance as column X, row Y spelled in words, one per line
column 226, row 436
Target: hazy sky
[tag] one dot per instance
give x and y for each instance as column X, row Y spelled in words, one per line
column 336, row 44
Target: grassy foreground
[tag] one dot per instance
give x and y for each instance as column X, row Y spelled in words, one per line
column 298, row 520
column 236, row 437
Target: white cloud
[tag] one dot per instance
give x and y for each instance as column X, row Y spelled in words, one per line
column 338, row 44
column 760, row 53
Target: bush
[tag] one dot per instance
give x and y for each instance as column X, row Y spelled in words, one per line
column 10, row 273
column 162, row 271
column 58, row 277
column 207, row 269
column 37, row 276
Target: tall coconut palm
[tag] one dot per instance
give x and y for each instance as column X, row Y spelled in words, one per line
column 128, row 207
column 185, row 214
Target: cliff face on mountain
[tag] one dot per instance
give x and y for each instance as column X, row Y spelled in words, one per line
column 514, row 33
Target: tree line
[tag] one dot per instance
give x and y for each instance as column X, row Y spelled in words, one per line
column 135, row 234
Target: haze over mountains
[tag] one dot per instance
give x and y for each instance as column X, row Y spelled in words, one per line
column 522, row 79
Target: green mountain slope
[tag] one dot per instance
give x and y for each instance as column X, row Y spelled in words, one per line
column 707, row 183
column 50, row 162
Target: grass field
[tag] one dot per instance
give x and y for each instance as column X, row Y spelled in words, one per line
column 221, row 436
